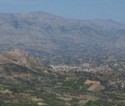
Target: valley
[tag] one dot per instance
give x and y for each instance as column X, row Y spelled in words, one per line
column 59, row 85
column 48, row 60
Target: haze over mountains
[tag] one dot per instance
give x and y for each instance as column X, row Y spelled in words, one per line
column 49, row 34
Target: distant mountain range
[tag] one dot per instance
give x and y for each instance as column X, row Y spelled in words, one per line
column 49, row 34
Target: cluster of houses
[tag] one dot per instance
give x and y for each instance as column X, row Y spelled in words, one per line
column 66, row 68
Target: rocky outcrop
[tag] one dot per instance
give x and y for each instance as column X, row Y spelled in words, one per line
column 20, row 57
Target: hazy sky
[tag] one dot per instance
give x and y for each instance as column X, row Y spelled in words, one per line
column 78, row 9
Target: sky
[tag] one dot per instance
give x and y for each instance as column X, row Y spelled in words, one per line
column 75, row 9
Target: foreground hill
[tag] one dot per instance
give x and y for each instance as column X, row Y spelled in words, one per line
column 49, row 34
column 20, row 57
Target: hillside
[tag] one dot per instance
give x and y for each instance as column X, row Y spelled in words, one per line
column 20, row 57
column 25, row 82
column 50, row 34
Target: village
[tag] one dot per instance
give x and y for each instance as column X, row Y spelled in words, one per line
column 66, row 68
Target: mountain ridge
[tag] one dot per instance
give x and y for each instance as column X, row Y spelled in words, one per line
column 50, row 34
